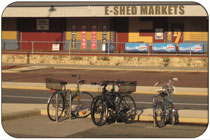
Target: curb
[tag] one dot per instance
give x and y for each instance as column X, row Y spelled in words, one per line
column 127, row 69
column 22, row 114
column 149, row 118
column 143, row 118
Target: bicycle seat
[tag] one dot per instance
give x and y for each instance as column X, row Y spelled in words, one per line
column 63, row 82
column 81, row 81
column 94, row 83
column 161, row 90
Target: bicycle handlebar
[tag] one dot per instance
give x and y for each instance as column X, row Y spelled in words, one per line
column 105, row 83
column 74, row 75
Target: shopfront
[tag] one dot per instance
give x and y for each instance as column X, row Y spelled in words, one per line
column 159, row 27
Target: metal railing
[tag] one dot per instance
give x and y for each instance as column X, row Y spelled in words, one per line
column 99, row 47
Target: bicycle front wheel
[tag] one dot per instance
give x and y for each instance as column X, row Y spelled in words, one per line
column 51, row 105
column 159, row 115
column 127, row 109
column 81, row 105
column 99, row 111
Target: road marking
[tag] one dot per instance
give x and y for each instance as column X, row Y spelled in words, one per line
column 28, row 97
column 175, row 103
column 137, row 102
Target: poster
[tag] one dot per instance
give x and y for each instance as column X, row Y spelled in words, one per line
column 136, row 47
column 164, row 47
column 193, row 48
column 93, row 40
column 84, row 40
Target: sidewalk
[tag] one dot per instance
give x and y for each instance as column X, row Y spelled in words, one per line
column 95, row 67
column 14, row 111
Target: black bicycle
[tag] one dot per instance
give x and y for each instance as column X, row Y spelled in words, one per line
column 113, row 106
column 80, row 101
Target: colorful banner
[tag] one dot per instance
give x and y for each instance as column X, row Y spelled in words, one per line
column 136, row 47
column 194, row 48
column 84, row 40
column 94, row 40
column 164, row 47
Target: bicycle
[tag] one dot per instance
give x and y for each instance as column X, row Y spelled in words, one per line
column 80, row 101
column 112, row 106
column 163, row 108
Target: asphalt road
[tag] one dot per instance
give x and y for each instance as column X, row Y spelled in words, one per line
column 42, row 127
column 142, row 100
column 144, row 78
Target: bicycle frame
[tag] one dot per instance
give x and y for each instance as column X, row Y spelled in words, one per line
column 77, row 90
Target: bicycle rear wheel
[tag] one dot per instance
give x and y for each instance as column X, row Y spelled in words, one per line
column 173, row 114
column 127, row 109
column 81, row 105
column 51, row 105
column 159, row 115
column 99, row 111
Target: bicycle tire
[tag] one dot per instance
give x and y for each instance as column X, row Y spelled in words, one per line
column 159, row 115
column 99, row 111
column 127, row 109
column 172, row 118
column 81, row 105
column 51, row 106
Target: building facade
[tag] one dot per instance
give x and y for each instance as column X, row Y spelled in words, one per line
column 160, row 27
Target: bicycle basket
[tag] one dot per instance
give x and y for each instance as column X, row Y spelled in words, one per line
column 55, row 84
column 128, row 87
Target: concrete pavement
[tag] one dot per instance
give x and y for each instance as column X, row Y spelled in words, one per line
column 14, row 111
column 30, row 67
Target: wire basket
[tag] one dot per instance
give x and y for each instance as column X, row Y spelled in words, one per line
column 128, row 87
column 55, row 84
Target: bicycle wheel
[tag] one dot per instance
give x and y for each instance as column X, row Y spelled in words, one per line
column 51, row 105
column 174, row 118
column 81, row 105
column 99, row 111
column 159, row 116
column 173, row 114
column 127, row 109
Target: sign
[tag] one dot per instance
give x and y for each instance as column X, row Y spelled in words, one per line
column 42, row 24
column 159, row 33
column 55, row 47
column 163, row 47
column 194, row 48
column 145, row 10
column 128, row 9
column 136, row 47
